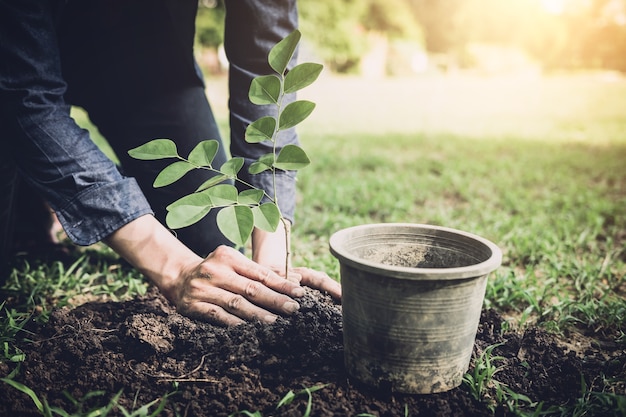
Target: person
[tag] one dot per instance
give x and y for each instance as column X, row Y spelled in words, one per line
column 130, row 65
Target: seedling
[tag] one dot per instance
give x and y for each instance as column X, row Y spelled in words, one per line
column 241, row 211
column 481, row 378
column 286, row 400
column 47, row 410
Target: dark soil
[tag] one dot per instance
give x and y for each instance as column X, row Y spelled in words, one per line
column 145, row 349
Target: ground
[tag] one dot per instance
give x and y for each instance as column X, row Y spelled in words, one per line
column 146, row 350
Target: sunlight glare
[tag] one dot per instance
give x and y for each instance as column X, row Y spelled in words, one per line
column 555, row 7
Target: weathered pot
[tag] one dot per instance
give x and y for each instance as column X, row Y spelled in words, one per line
column 411, row 298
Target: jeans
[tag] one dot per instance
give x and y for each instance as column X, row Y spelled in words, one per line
column 51, row 153
column 130, row 64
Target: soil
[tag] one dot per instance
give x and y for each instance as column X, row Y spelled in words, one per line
column 145, row 349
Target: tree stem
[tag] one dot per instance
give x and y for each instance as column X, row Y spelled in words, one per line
column 286, row 225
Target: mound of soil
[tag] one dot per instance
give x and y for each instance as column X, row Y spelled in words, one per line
column 144, row 349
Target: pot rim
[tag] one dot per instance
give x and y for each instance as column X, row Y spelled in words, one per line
column 337, row 240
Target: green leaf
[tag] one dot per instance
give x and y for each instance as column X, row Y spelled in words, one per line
column 248, row 413
column 212, row 182
column 261, row 130
column 204, row 153
column 188, row 210
column 292, row 157
column 294, row 113
column 23, row 388
column 264, row 163
column 222, row 195
column 281, row 53
column 18, row 357
column 287, row 399
column 172, row 173
column 258, row 167
column 250, row 197
column 155, row 149
column 232, row 167
column 301, row 76
column 266, row 216
column 264, row 89
column 236, row 223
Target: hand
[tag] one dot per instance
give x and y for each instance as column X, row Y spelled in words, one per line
column 270, row 249
column 227, row 287
column 316, row 279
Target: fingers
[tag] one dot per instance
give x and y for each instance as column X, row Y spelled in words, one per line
column 319, row 280
column 228, row 288
column 269, row 277
column 292, row 275
column 218, row 305
column 210, row 312
column 251, row 293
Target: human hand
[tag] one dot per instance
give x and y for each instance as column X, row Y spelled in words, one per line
column 228, row 288
column 225, row 287
column 315, row 279
column 270, row 249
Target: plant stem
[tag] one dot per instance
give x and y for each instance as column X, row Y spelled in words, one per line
column 286, row 225
column 279, row 106
column 274, row 199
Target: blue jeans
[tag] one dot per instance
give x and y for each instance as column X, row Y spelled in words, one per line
column 130, row 65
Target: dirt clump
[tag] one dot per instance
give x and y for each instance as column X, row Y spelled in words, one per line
column 145, row 350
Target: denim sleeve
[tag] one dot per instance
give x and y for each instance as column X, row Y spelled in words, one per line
column 92, row 199
column 252, row 28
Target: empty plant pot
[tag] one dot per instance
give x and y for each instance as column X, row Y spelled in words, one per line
column 411, row 298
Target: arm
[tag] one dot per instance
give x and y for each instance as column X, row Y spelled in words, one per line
column 94, row 201
column 269, row 249
column 224, row 287
column 252, row 28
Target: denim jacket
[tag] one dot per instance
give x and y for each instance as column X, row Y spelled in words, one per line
column 89, row 193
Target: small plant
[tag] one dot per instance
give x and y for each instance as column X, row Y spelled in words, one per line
column 481, row 381
column 47, row 410
column 481, row 378
column 242, row 211
column 41, row 287
column 286, row 400
column 11, row 324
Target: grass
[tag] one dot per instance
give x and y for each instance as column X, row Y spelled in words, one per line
column 482, row 376
column 543, row 180
column 534, row 164
column 96, row 275
column 151, row 409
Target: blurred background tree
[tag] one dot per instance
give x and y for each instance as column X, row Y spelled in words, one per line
column 399, row 36
column 210, row 34
column 332, row 28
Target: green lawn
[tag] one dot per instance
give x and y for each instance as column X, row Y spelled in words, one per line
column 536, row 165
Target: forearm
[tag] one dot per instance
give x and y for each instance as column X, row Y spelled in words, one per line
column 272, row 249
column 154, row 251
column 51, row 152
column 224, row 287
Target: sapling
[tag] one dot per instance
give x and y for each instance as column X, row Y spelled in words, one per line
column 241, row 211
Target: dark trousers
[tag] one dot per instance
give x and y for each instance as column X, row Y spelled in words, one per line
column 130, row 64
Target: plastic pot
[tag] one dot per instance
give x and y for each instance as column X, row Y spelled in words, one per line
column 411, row 299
